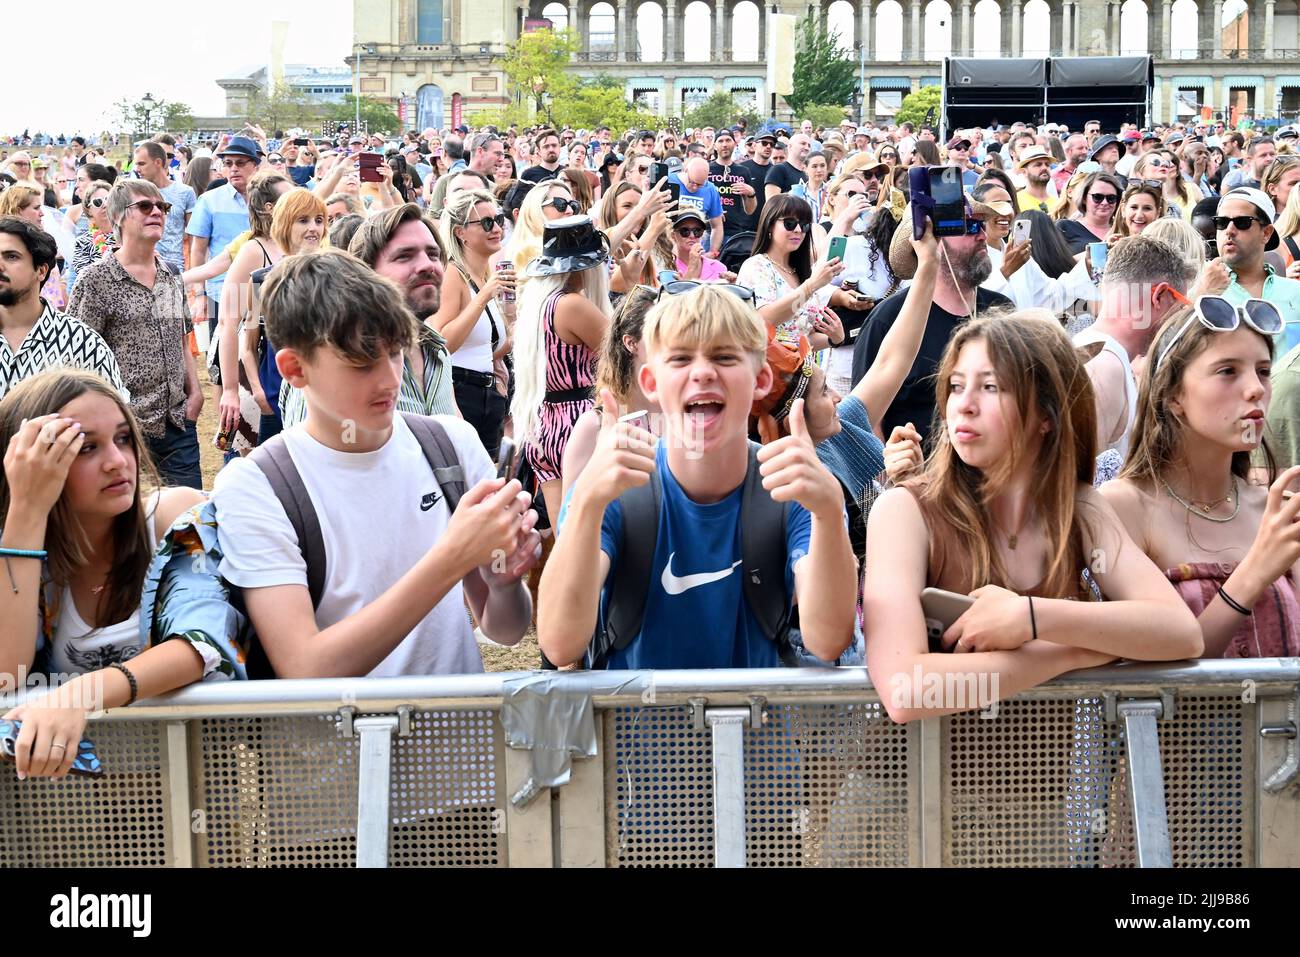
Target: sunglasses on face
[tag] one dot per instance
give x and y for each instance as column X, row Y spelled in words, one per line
column 792, row 225
column 490, row 223
column 560, row 204
column 275, row 160
column 690, row 232
column 1103, row 198
column 675, row 287
column 1158, row 164
column 98, row 203
column 1243, row 223
column 146, row 206
column 1218, row 315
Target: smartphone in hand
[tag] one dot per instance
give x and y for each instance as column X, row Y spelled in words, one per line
column 837, row 248
column 507, row 460
column 86, row 761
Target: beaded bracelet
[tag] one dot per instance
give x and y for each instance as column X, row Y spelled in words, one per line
column 130, row 679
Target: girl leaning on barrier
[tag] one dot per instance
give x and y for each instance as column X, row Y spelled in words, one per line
column 98, row 573
column 1231, row 547
column 1005, row 511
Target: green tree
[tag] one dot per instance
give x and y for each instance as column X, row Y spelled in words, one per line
column 719, row 110
column 819, row 114
column 917, row 105
column 378, row 116
column 598, row 101
column 164, row 115
column 536, row 65
column 823, row 73
column 283, row 107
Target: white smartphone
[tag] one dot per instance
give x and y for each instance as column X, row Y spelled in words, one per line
column 640, row 420
column 1020, row 231
column 941, row 609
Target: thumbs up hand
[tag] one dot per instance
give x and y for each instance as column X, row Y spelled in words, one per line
column 792, row 472
column 624, row 457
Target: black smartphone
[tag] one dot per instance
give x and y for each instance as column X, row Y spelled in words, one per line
column 86, row 761
column 302, row 141
column 949, row 211
column 507, row 460
column 1211, row 249
column 674, row 191
column 659, row 171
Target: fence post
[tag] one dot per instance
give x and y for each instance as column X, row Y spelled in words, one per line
column 178, row 793
column 728, row 726
column 1146, row 782
column 374, row 785
column 1277, row 791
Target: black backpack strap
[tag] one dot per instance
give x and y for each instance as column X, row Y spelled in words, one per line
column 277, row 465
column 441, row 456
column 763, row 557
column 632, row 571
column 1292, row 246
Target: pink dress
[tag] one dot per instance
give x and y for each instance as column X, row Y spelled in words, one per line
column 570, row 374
column 1273, row 628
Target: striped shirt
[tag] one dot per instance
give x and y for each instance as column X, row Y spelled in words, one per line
column 433, row 397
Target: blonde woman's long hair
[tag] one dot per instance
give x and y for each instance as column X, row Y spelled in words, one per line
column 457, row 212
column 1181, row 236
column 1040, row 374
column 1288, row 224
column 530, row 339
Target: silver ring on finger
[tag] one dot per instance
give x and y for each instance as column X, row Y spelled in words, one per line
column 61, row 747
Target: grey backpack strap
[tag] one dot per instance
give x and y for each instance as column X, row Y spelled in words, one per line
column 277, row 465
column 441, row 455
column 632, row 572
column 763, row 557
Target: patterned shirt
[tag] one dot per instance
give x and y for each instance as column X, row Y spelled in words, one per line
column 58, row 341
column 146, row 330
column 434, row 397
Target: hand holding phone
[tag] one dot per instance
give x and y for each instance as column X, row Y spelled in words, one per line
column 1020, row 231
column 839, row 245
column 941, row 609
column 86, row 762
column 507, row 460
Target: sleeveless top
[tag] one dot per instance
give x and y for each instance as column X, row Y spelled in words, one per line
column 1091, row 335
column 568, row 366
column 78, row 648
column 475, row 353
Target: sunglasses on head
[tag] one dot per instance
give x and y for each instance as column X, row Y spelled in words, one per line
column 1243, row 223
column 1219, row 315
column 692, row 232
column 791, row 224
column 675, row 287
column 146, row 206
column 560, row 204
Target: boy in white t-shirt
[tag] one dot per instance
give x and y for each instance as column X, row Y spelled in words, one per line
column 399, row 565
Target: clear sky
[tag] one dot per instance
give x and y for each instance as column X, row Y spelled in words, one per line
column 174, row 51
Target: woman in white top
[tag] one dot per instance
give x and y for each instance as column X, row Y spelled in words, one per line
column 78, row 547
column 472, row 316
column 791, row 293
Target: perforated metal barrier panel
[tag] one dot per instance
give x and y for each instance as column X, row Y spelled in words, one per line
column 825, row 785
column 1044, row 784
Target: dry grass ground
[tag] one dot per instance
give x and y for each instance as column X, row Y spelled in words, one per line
column 522, row 657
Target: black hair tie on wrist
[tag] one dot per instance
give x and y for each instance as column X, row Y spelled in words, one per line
column 1033, row 622
column 1232, row 603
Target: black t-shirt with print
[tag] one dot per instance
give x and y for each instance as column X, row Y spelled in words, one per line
column 734, row 218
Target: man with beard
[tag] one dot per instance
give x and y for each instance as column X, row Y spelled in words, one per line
column 401, row 245
column 1245, row 231
column 548, row 155
column 37, row 336
column 1035, row 165
column 1076, row 151
column 737, row 186
column 963, row 265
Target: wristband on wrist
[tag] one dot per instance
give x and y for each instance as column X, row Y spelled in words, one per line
column 1232, row 603
column 1033, row 622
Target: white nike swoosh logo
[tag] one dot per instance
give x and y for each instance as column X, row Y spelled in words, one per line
column 675, row 585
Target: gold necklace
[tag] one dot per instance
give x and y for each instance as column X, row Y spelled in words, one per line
column 1203, row 509
column 1014, row 538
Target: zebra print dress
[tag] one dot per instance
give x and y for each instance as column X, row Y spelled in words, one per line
column 570, row 373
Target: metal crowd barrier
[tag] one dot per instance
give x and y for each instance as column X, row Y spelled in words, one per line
column 1191, row 764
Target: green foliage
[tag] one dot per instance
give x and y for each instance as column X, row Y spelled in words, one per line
column 283, row 107
column 823, row 73
column 826, row 115
column 719, row 110
column 537, row 66
column 378, row 116
column 598, row 101
column 165, row 116
column 916, row 105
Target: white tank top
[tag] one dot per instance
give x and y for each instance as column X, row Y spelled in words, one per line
column 78, row 648
column 475, row 353
column 1109, row 344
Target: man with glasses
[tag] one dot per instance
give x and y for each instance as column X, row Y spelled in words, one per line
column 548, row 158
column 959, row 148
column 1244, row 227
column 1145, row 280
column 151, row 166
column 219, row 216
column 137, row 304
column 699, row 194
column 1259, row 154
column 485, row 151
column 737, row 186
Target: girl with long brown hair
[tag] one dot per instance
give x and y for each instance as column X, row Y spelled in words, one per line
column 1005, row 512
column 88, row 594
column 1231, row 547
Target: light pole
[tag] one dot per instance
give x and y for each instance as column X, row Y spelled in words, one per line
column 148, row 104
column 356, row 88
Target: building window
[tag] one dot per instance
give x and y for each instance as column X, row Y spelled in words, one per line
column 428, row 24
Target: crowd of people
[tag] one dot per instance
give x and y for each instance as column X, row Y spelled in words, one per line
column 469, row 382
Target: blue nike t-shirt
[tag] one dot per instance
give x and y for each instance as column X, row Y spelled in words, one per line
column 695, row 613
